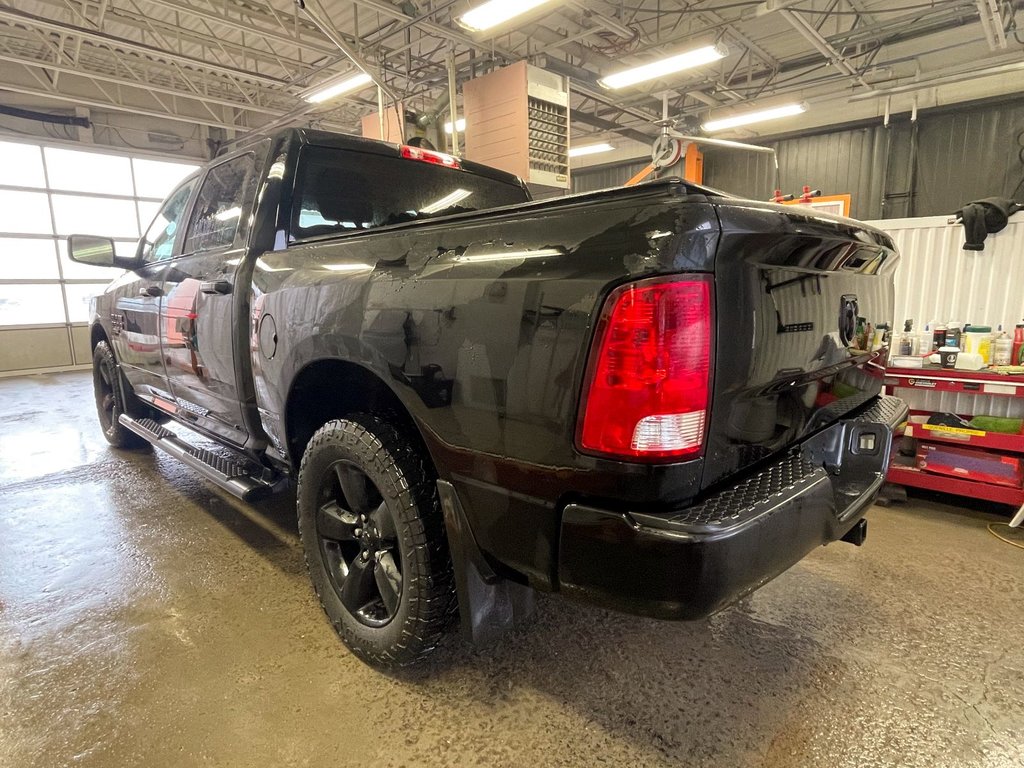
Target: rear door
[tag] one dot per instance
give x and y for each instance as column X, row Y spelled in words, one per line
column 135, row 321
column 204, row 309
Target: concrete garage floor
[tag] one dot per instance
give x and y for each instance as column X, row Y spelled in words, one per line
column 145, row 619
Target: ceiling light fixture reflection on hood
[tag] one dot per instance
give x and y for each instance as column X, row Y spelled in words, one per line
column 540, row 253
column 447, row 201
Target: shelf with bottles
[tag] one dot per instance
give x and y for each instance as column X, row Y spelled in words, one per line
column 966, row 348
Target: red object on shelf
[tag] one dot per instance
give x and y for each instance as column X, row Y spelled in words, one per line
column 951, row 380
column 916, row 478
column 970, row 464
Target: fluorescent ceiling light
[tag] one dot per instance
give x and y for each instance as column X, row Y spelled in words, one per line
column 688, row 60
column 460, row 124
column 787, row 110
column 495, row 12
column 338, row 88
column 447, row 201
column 590, row 149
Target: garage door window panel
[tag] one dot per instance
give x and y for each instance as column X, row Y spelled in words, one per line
column 77, row 171
column 82, row 215
column 154, row 177
column 218, row 209
column 79, row 295
column 22, row 165
column 25, row 258
column 31, row 304
column 25, row 213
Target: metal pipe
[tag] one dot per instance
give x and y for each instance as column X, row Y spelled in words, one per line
column 723, row 143
column 120, row 43
column 801, row 25
column 345, row 48
column 451, row 99
column 958, row 77
column 241, row 24
column 106, row 105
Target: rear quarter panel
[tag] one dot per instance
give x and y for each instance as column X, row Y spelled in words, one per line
column 481, row 326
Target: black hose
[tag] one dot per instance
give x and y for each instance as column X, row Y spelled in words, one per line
column 44, row 117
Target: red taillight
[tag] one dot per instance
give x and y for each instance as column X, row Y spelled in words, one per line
column 647, row 387
column 429, row 156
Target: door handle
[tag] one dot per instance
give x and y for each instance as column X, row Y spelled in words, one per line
column 151, row 290
column 215, row 286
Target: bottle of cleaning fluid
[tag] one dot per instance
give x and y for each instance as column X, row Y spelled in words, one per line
column 924, row 341
column 1003, row 347
column 908, row 339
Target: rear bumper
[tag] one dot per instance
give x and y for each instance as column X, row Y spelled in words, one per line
column 689, row 563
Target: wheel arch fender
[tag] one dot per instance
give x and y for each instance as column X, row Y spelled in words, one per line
column 329, row 388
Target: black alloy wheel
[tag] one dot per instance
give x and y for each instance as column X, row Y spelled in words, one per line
column 374, row 540
column 359, row 545
column 111, row 399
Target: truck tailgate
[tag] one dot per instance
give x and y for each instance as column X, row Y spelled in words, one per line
column 790, row 285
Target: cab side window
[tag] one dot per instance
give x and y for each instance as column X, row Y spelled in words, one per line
column 158, row 242
column 218, row 209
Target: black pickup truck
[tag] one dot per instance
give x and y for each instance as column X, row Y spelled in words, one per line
column 651, row 398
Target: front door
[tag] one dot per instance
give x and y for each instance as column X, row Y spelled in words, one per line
column 135, row 320
column 204, row 311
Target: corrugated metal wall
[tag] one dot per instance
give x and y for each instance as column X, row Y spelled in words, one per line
column 962, row 155
column 939, row 281
column 844, row 161
column 604, row 176
column 969, row 154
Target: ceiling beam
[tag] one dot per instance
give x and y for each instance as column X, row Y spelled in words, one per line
column 31, row 21
column 79, row 71
column 82, row 101
column 250, row 24
column 820, row 44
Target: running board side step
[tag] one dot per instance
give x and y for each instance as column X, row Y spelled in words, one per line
column 239, row 477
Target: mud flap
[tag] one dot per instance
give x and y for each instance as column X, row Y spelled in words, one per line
column 489, row 606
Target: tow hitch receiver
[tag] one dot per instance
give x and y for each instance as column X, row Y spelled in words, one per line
column 857, row 534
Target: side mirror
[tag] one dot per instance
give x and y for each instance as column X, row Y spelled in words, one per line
column 97, row 252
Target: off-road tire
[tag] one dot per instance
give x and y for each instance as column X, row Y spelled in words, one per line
column 114, row 397
column 405, row 481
